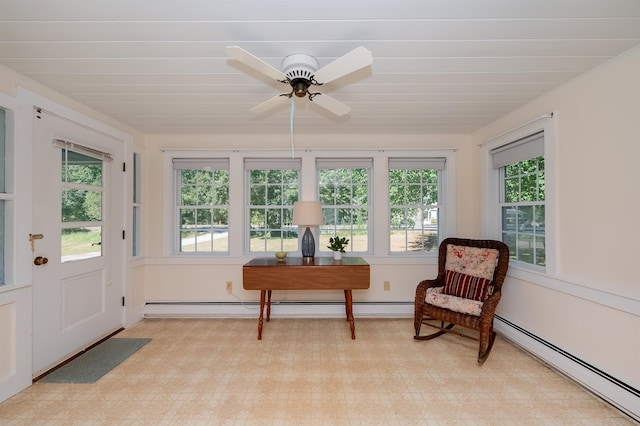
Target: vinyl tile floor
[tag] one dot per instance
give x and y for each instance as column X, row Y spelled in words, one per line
column 310, row 372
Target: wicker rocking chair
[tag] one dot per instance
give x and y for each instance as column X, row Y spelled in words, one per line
column 470, row 277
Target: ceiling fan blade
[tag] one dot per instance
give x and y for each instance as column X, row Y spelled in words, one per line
column 270, row 103
column 353, row 61
column 330, row 104
column 254, row 62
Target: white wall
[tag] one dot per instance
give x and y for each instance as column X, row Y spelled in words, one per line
column 591, row 307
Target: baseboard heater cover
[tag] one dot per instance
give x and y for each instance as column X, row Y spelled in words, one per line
column 279, row 309
column 621, row 395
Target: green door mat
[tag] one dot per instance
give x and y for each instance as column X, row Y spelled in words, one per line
column 96, row 362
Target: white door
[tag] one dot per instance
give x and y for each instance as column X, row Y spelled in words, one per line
column 76, row 238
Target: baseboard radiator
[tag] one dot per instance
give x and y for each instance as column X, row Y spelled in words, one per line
column 617, row 393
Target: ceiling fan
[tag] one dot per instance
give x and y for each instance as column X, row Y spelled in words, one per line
column 300, row 71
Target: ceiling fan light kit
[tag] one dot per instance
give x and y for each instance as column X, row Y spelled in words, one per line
column 301, row 71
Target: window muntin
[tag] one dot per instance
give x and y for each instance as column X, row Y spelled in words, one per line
column 202, row 202
column 414, row 204
column 521, row 167
column 273, row 185
column 344, row 192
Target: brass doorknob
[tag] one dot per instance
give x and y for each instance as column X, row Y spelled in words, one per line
column 40, row 260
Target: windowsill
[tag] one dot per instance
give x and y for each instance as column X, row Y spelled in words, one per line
column 241, row 260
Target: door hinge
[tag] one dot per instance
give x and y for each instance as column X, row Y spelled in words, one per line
column 124, row 167
column 123, row 234
column 122, row 300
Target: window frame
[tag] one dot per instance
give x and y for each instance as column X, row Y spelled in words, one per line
column 492, row 213
column 379, row 198
column 214, row 162
column 419, row 163
column 136, row 204
column 336, row 163
column 251, row 163
column 8, row 195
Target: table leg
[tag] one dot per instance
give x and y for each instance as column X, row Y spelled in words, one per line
column 268, row 305
column 348, row 301
column 262, row 294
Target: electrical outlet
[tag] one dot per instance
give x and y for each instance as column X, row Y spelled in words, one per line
column 229, row 286
column 387, row 285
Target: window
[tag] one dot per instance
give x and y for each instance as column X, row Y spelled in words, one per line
column 414, row 204
column 521, row 167
column 82, row 201
column 202, row 203
column 343, row 191
column 273, row 185
column 137, row 209
column 3, row 190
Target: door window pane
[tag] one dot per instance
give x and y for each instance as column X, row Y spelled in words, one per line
column 81, row 243
column 81, row 201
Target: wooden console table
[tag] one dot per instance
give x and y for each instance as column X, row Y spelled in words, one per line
column 295, row 273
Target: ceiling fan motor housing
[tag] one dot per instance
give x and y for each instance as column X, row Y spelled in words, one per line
column 299, row 68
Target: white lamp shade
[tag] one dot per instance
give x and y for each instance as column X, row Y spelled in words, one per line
column 307, row 213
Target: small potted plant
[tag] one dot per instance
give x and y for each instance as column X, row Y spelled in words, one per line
column 337, row 245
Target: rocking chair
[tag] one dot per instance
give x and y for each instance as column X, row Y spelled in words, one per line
column 466, row 291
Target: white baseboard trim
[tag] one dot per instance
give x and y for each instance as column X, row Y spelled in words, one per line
column 612, row 390
column 288, row 309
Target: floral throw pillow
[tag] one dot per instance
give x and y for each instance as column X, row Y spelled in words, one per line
column 474, row 261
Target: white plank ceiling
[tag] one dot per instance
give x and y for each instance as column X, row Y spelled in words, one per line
column 440, row 66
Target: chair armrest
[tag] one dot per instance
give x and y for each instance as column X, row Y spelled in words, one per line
column 421, row 289
column 489, row 305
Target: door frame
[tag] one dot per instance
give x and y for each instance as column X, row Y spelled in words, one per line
column 27, row 101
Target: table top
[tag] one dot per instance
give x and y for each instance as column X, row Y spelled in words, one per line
column 300, row 261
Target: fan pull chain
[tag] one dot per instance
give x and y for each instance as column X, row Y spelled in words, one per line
column 293, row 154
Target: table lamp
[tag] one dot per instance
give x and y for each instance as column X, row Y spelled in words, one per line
column 307, row 213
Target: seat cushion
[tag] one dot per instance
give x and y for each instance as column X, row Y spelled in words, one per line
column 436, row 297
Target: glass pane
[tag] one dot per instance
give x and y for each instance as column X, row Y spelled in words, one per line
column 79, row 205
column 81, row 169
column 414, row 194
column 274, row 195
column 511, row 190
column 205, row 195
column 2, row 151
column 188, row 195
column 258, row 195
column 258, row 176
column 2, row 189
column 135, row 240
column 257, row 218
column 430, row 195
column 396, row 176
column 529, row 190
column 136, row 178
column 81, row 243
column 414, row 176
column 2, row 241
